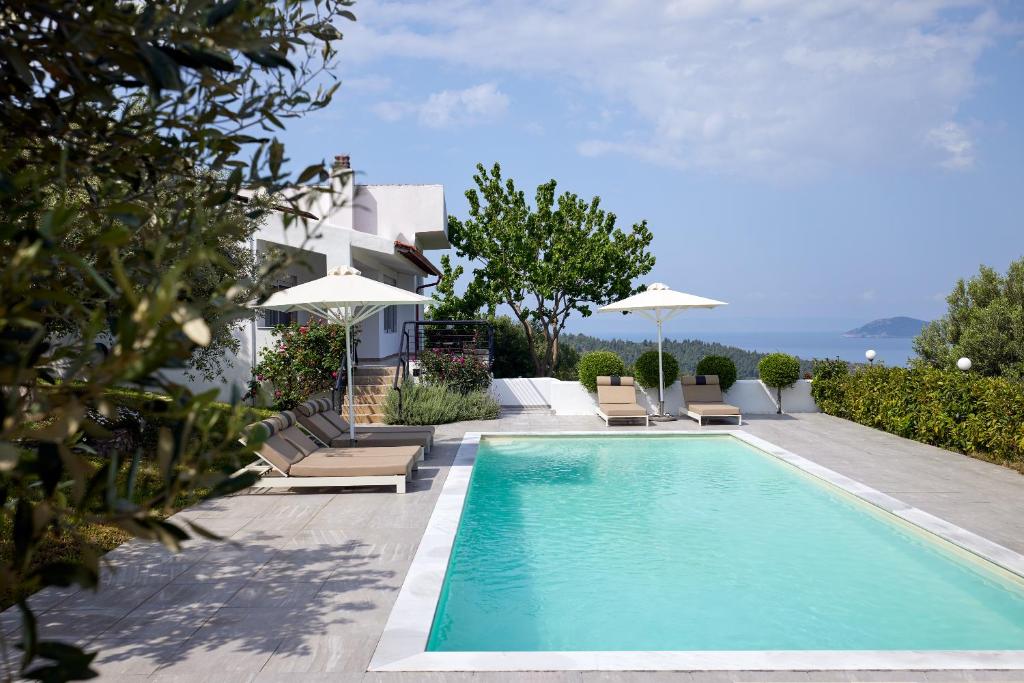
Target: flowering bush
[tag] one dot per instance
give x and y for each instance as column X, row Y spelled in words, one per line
column 302, row 361
column 461, row 372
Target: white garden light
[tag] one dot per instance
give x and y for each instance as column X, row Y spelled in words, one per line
column 870, row 355
column 964, row 364
column 659, row 303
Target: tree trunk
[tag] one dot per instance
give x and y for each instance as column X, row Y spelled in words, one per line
column 528, row 330
column 779, row 394
column 553, row 360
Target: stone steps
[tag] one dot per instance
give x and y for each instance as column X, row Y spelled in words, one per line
column 370, row 385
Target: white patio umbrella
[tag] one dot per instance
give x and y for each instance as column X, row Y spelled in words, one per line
column 659, row 303
column 346, row 297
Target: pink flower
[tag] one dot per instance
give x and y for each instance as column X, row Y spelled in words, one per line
column 259, row 378
column 277, row 394
column 334, row 374
column 303, row 330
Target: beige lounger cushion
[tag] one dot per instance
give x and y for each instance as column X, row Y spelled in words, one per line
column 611, row 395
column 712, row 409
column 280, row 453
column 372, row 451
column 360, row 465
column 696, row 392
column 336, row 420
column 384, row 439
column 607, row 381
column 275, row 449
column 320, row 426
column 300, row 440
column 619, row 410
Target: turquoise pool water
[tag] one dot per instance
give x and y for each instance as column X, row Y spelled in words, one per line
column 699, row 543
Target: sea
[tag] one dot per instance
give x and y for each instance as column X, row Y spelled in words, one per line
column 807, row 345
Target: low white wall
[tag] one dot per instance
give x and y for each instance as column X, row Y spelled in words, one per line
column 523, row 392
column 570, row 398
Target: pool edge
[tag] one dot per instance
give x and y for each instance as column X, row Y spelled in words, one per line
column 402, row 645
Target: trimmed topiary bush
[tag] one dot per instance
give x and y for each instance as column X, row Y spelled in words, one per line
column 598, row 363
column 721, row 366
column 646, row 369
column 779, row 370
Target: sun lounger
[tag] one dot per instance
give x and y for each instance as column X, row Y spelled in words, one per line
column 702, row 399
column 616, row 400
column 290, row 431
column 320, row 426
column 288, row 466
column 328, row 426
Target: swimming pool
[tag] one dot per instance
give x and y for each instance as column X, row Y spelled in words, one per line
column 677, row 544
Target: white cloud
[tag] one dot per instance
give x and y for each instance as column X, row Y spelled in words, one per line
column 761, row 87
column 955, row 143
column 371, row 83
column 449, row 107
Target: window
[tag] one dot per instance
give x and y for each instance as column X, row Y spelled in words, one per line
column 391, row 312
column 272, row 318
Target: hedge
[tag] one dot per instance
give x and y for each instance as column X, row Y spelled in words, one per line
column 960, row 411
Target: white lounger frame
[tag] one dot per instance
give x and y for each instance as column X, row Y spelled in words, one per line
column 700, row 418
column 284, row 481
column 609, row 418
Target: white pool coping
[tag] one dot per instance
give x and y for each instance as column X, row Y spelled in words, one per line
column 402, row 646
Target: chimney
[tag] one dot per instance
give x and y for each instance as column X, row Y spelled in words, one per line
column 342, row 161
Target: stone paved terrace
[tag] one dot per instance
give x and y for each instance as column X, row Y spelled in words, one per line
column 305, row 592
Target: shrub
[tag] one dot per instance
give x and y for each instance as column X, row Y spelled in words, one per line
column 779, row 370
column 825, row 389
column 432, row 404
column 965, row 412
column 460, row 372
column 598, row 363
column 721, row 366
column 302, row 361
column 566, row 369
column 511, row 349
column 646, row 369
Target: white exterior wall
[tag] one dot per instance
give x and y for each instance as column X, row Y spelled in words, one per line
column 399, row 212
column 360, row 231
column 570, row 398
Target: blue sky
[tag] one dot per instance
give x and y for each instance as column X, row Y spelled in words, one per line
column 815, row 163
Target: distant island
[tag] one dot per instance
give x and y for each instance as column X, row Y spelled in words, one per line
column 901, row 326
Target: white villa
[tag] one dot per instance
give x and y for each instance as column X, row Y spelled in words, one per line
column 383, row 230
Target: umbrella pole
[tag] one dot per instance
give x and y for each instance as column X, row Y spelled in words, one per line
column 349, row 378
column 661, row 375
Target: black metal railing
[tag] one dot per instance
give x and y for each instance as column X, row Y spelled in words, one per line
column 467, row 337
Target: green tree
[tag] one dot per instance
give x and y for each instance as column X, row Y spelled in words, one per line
column 138, row 123
column 779, row 370
column 560, row 256
column 984, row 322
